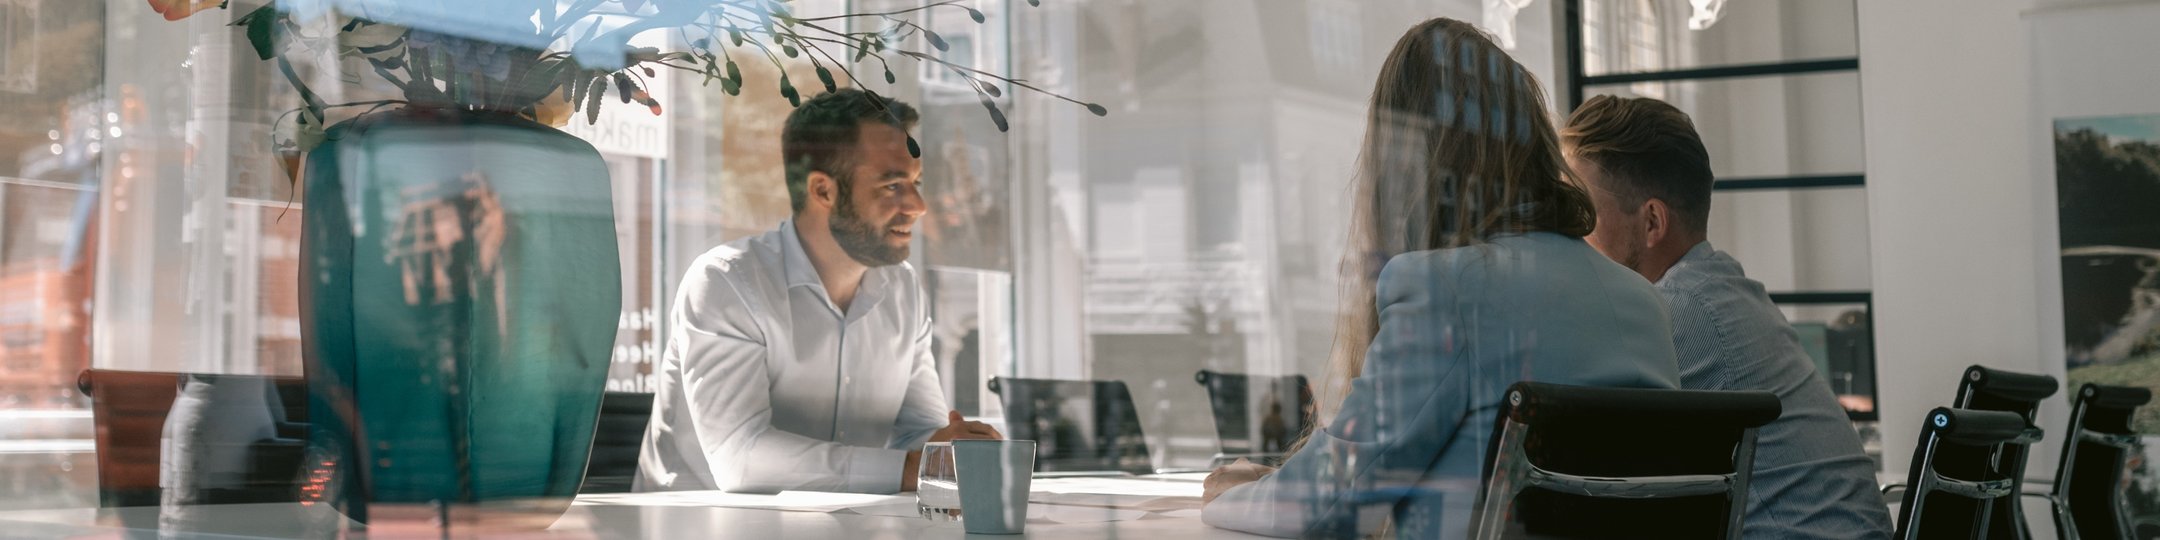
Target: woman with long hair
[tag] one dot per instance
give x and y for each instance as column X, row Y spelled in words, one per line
column 1466, row 273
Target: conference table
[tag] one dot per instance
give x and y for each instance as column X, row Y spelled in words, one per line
column 1153, row 506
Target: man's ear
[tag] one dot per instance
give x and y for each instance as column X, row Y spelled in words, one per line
column 1657, row 222
column 822, row 190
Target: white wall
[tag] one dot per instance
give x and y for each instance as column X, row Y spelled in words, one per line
column 1945, row 92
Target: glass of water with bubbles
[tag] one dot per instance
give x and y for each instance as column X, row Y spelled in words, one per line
column 937, row 483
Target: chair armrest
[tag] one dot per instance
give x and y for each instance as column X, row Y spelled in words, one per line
column 1893, row 486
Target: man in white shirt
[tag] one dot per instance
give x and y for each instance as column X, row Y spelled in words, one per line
column 800, row 358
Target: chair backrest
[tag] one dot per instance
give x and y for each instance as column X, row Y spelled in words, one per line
column 1257, row 417
column 130, row 410
column 1954, row 500
column 1574, row 461
column 2096, row 452
column 1984, row 389
column 617, row 442
column 1076, row 425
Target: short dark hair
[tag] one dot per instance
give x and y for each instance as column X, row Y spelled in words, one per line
column 821, row 134
column 1648, row 149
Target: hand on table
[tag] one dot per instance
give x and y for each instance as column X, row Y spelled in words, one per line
column 960, row 428
column 1233, row 475
column 956, row 427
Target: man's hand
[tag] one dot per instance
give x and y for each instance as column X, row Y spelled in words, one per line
column 1233, row 475
column 956, row 427
column 960, row 428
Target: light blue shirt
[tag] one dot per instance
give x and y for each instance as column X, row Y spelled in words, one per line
column 765, row 386
column 1457, row 327
column 1812, row 479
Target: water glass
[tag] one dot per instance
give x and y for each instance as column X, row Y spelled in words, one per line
column 937, row 483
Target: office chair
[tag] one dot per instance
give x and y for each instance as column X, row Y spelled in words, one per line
column 2088, row 496
column 1955, row 478
column 1257, row 418
column 617, row 441
column 1078, row 426
column 1984, row 389
column 1573, row 461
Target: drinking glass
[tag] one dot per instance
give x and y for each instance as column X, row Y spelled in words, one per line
column 937, row 483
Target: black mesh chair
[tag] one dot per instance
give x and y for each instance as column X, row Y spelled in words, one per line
column 1952, row 498
column 1984, row 389
column 2088, row 493
column 1257, row 418
column 1583, row 462
column 1078, row 426
column 616, row 442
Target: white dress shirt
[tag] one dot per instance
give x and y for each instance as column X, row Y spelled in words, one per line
column 765, row 386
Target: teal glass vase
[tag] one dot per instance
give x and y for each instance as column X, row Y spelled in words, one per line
column 460, row 292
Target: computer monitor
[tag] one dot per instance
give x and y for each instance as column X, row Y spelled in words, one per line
column 1837, row 332
column 1077, row 426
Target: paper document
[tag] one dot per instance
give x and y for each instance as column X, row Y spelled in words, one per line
column 1037, row 513
column 787, row 501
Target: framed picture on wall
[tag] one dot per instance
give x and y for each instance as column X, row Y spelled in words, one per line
column 2107, row 182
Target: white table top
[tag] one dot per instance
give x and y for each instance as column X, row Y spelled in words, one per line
column 1151, row 507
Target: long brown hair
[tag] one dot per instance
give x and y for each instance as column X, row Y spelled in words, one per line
column 1458, row 148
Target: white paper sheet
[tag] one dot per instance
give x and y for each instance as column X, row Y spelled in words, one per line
column 787, row 501
column 1037, row 513
column 1120, row 486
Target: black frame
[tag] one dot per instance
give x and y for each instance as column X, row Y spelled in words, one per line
column 1579, row 78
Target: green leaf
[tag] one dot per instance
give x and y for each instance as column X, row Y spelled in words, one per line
column 825, row 76
column 861, row 52
column 1098, row 110
column 541, row 79
column 974, row 14
column 733, row 87
column 700, row 43
column 996, row 116
column 913, row 149
column 787, row 90
column 1035, row 3
column 624, row 88
column 261, row 30
column 789, row 50
column 936, row 41
column 889, row 78
column 574, row 87
column 592, row 100
column 732, row 73
column 735, row 34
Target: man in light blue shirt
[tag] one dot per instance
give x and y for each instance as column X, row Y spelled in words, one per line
column 800, row 358
column 1649, row 176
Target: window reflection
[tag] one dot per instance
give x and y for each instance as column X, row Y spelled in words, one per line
column 150, row 221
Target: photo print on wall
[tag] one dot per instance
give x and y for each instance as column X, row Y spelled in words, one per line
column 2107, row 182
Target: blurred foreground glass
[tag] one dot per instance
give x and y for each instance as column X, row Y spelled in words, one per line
column 937, row 484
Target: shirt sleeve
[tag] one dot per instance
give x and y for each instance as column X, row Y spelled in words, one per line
column 924, row 409
column 726, row 384
column 1398, row 417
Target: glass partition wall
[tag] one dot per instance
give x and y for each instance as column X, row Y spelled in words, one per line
column 151, row 212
